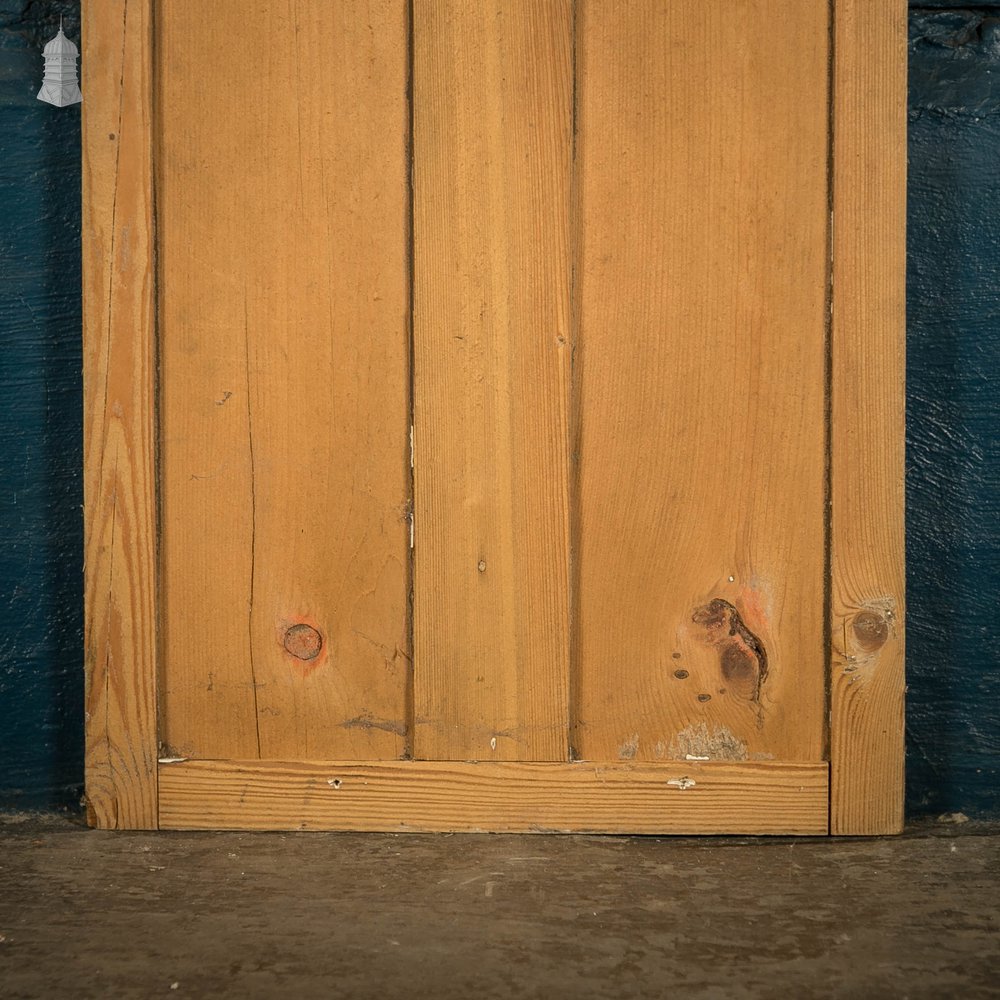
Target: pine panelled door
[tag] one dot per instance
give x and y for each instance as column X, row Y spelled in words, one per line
column 494, row 415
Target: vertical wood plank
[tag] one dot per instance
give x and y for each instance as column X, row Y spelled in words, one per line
column 492, row 145
column 283, row 216
column 119, row 444
column 702, row 277
column 868, row 406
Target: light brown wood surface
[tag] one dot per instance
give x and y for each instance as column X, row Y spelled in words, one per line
column 504, row 796
column 119, row 445
column 492, row 112
column 630, row 408
column 701, row 264
column 283, row 214
column 867, row 418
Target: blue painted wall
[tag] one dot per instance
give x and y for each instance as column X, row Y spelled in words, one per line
column 953, row 419
column 953, row 480
column 41, row 683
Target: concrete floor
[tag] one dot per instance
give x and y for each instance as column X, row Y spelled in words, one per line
column 87, row 914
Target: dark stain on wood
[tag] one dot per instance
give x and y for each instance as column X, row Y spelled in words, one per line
column 739, row 665
column 367, row 721
column 742, row 656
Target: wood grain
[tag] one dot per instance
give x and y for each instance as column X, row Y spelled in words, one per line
column 507, row 797
column 119, row 444
column 868, row 407
column 492, row 143
column 283, row 219
column 674, row 275
column 702, row 275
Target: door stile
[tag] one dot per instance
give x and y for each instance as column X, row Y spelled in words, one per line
column 119, row 379
column 868, row 349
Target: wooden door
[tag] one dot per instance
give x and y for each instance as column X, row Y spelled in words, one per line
column 494, row 415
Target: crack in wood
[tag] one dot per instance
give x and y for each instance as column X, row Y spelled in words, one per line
column 253, row 520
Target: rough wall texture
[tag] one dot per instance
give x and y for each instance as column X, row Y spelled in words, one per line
column 954, row 406
column 41, row 663
column 953, row 419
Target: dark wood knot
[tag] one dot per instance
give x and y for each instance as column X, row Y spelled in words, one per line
column 303, row 641
column 871, row 630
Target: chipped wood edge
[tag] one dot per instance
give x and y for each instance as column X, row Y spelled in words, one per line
column 867, row 417
column 119, row 368
column 510, row 797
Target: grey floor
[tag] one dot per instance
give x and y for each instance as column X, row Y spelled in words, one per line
column 88, row 914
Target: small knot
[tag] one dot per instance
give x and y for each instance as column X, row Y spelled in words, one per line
column 303, row 642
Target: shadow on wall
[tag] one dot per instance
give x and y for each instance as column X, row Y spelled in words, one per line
column 953, row 481
column 953, row 449
column 41, row 668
